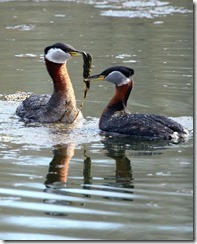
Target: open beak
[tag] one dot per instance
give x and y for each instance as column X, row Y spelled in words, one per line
column 95, row 77
column 75, row 53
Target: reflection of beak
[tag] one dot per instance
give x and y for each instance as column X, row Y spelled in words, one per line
column 95, row 77
column 75, row 53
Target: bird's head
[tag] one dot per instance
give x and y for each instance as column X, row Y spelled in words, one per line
column 118, row 75
column 59, row 53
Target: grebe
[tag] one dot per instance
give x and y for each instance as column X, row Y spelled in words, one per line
column 61, row 105
column 116, row 118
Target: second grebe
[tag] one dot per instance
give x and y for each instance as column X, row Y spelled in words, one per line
column 116, row 118
column 61, row 105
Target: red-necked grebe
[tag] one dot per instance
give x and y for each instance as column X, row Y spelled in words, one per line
column 61, row 105
column 115, row 117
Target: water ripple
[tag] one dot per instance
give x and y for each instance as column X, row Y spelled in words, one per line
column 140, row 9
column 32, row 237
column 22, row 27
column 48, row 208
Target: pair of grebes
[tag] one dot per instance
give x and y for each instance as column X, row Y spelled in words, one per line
column 61, row 105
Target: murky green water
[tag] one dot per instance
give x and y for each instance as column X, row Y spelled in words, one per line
column 57, row 184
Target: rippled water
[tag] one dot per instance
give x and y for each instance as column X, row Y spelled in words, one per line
column 60, row 183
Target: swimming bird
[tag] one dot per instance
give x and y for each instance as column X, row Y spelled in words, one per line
column 61, row 105
column 117, row 119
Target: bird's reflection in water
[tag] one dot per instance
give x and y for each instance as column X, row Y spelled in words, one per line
column 123, row 170
column 119, row 182
column 122, row 180
column 58, row 167
column 117, row 147
column 116, row 143
column 58, row 175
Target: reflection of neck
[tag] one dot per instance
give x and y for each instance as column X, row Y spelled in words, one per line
column 58, row 170
column 117, row 152
column 123, row 169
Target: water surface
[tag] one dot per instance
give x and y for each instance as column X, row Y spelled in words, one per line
column 62, row 184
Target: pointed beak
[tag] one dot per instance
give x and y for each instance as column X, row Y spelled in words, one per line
column 75, row 53
column 95, row 77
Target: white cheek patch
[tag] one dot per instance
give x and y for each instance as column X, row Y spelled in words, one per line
column 117, row 78
column 126, row 81
column 56, row 55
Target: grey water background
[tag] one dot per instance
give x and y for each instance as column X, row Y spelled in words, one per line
column 62, row 184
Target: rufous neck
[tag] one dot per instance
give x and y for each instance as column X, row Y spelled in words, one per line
column 59, row 75
column 119, row 100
